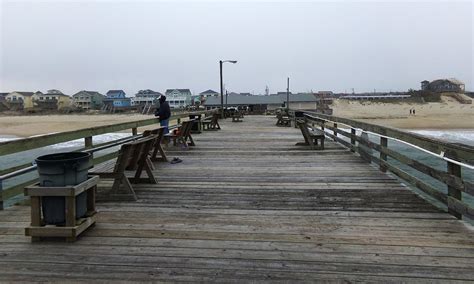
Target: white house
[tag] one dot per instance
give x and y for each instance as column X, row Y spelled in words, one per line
column 178, row 97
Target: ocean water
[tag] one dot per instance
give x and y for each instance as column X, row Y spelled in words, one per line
column 29, row 156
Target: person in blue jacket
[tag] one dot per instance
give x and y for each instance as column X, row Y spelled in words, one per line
column 163, row 113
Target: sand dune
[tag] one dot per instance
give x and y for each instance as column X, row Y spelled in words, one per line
column 448, row 114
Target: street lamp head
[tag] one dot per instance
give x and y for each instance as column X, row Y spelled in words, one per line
column 233, row 61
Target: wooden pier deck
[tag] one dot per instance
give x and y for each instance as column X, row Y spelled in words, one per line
column 247, row 205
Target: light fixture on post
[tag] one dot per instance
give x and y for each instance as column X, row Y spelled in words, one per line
column 222, row 83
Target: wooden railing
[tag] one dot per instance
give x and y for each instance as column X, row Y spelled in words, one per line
column 21, row 145
column 456, row 156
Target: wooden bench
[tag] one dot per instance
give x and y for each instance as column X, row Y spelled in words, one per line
column 182, row 134
column 310, row 135
column 283, row 120
column 131, row 156
column 211, row 123
column 237, row 116
column 159, row 133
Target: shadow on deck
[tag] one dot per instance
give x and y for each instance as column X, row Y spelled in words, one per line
column 246, row 204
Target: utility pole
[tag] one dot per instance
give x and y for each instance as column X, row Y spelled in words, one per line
column 222, row 90
column 288, row 95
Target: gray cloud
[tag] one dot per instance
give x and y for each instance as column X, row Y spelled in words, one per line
column 319, row 45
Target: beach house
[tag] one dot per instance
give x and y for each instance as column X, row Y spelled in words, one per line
column 178, row 98
column 20, row 100
column 145, row 97
column 451, row 85
column 88, row 99
column 52, row 100
column 116, row 99
column 209, row 93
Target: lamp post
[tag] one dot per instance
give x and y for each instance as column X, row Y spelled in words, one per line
column 222, row 83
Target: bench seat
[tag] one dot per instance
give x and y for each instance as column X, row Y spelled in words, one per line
column 211, row 123
column 311, row 135
column 132, row 157
column 283, row 120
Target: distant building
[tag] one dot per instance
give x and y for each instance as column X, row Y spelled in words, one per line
column 209, row 93
column 88, row 99
column 178, row 97
column 20, row 100
column 443, row 86
column 145, row 97
column 53, row 100
column 116, row 99
column 259, row 104
column 3, row 97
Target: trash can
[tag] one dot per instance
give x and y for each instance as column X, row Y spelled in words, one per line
column 62, row 169
column 196, row 127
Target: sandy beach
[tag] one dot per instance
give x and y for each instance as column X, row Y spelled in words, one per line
column 30, row 125
column 448, row 114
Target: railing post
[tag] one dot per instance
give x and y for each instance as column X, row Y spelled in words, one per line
column 383, row 156
column 134, row 131
column 88, row 142
column 453, row 192
column 353, row 141
column 335, row 132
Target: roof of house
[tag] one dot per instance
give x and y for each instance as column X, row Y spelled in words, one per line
column 147, row 92
column 179, row 90
column 27, row 94
column 451, row 80
column 209, row 92
column 88, row 92
column 115, row 91
column 455, row 81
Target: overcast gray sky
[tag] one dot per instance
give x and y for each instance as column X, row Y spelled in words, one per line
column 133, row 45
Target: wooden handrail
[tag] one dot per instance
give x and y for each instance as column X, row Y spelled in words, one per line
column 20, row 145
column 459, row 156
column 458, row 152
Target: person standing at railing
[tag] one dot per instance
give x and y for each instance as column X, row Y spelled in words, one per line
column 163, row 113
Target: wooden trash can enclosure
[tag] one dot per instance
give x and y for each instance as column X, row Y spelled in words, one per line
column 62, row 169
column 196, row 126
column 63, row 202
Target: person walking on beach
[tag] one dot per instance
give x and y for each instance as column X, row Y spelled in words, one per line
column 163, row 113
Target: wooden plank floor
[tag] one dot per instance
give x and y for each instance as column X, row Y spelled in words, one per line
column 247, row 205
